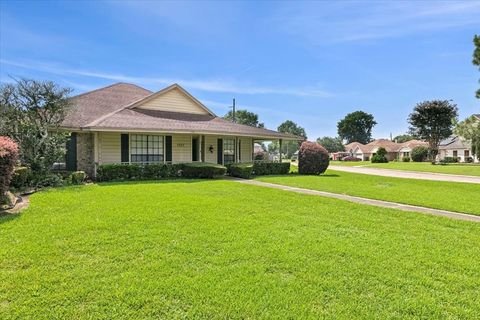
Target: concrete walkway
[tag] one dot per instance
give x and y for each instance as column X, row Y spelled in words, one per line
column 371, row 202
column 408, row 174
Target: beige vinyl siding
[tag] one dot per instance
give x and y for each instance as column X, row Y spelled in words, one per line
column 246, row 149
column 109, row 150
column 175, row 101
column 181, row 148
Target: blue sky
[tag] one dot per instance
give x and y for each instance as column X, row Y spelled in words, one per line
column 309, row 62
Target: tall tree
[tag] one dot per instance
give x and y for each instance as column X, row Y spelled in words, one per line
column 433, row 121
column 469, row 130
column 244, row 117
column 476, row 57
column 356, row 127
column 31, row 113
column 332, row 144
column 288, row 147
column 403, row 138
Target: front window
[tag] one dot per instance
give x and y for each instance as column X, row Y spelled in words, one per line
column 146, row 148
column 228, row 151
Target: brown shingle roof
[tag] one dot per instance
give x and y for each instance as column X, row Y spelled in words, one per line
column 108, row 109
column 389, row 145
column 90, row 106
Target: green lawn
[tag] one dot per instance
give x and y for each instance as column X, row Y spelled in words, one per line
column 452, row 168
column 220, row 249
column 452, row 196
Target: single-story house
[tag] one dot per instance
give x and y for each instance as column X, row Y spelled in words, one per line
column 456, row 147
column 394, row 150
column 124, row 123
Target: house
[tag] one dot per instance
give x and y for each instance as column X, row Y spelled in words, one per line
column 394, row 150
column 124, row 123
column 456, row 147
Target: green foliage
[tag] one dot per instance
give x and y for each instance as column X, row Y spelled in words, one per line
column 469, row 130
column 8, row 158
column 476, row 57
column 32, row 112
column 119, row 172
column 202, row 170
column 240, row 170
column 244, row 117
column 356, row 127
column 403, row 138
column 263, row 168
column 332, row 144
column 449, row 160
column 288, row 147
column 406, row 159
column 419, row 154
column 380, row 156
column 77, row 177
column 22, row 178
column 312, row 158
column 433, row 121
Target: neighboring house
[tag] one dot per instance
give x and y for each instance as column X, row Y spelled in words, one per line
column 456, row 147
column 124, row 123
column 394, row 150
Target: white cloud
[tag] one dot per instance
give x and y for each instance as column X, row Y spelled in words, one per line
column 367, row 21
column 203, row 85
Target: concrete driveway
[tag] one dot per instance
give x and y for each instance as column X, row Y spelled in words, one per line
column 408, row 174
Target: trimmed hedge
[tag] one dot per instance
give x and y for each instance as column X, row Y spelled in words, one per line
column 240, row 170
column 119, row 172
column 406, row 159
column 203, row 170
column 419, row 154
column 312, row 158
column 77, row 177
column 262, row 168
column 350, row 158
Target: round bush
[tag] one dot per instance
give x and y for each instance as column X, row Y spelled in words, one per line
column 8, row 158
column 419, row 154
column 312, row 158
column 380, row 156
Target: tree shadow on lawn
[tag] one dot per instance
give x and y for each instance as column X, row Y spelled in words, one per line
column 295, row 174
column 7, row 217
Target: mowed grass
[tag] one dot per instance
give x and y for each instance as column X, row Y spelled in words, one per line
column 465, row 169
column 452, row 196
column 220, row 249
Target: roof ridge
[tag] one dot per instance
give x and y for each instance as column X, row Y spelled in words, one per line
column 106, row 87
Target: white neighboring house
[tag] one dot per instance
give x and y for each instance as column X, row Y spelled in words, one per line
column 456, row 147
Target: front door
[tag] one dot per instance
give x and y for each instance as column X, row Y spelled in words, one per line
column 194, row 149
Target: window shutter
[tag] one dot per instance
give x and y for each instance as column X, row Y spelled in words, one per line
column 220, row 151
column 168, row 148
column 71, row 155
column 239, row 150
column 124, row 147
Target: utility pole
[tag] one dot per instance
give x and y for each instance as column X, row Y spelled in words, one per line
column 233, row 111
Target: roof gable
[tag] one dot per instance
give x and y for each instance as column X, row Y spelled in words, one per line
column 172, row 99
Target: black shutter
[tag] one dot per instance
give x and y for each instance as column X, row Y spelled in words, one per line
column 71, row 155
column 239, row 150
column 124, row 147
column 168, row 148
column 220, row 151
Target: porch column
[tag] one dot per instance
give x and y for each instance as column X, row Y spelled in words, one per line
column 280, row 150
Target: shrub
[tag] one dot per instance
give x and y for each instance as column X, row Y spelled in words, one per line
column 203, row 170
column 119, row 172
column 468, row 159
column 240, row 170
column 406, row 159
column 450, row 160
column 380, row 156
column 312, row 158
column 8, row 158
column 77, row 177
column 419, row 154
column 270, row 168
column 350, row 158
column 21, row 179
